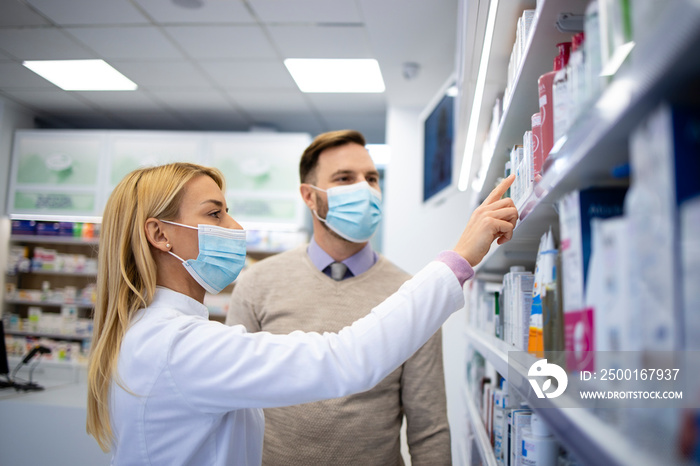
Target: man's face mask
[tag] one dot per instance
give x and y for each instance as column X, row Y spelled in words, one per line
column 354, row 211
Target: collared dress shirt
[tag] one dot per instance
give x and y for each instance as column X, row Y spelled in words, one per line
column 357, row 264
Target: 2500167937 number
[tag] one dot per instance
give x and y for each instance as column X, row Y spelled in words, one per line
column 639, row 374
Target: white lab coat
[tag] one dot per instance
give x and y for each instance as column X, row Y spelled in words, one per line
column 197, row 387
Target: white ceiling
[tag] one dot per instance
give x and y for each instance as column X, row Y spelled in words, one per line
column 220, row 67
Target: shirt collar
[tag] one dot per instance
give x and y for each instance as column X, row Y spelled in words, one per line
column 358, row 263
column 165, row 297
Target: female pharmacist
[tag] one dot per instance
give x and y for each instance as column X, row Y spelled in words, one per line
column 167, row 386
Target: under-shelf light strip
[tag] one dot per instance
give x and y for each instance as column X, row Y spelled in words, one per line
column 465, row 173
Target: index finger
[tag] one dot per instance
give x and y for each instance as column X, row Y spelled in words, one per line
column 500, row 190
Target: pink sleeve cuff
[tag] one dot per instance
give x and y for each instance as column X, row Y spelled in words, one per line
column 459, row 265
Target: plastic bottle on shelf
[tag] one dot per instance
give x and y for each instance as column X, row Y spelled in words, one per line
column 544, row 85
column 593, row 53
column 537, row 155
column 87, row 231
column 539, row 448
column 576, row 73
column 565, row 88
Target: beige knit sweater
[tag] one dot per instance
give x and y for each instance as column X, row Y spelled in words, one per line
column 285, row 293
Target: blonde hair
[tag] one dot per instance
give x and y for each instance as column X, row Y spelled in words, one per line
column 126, row 277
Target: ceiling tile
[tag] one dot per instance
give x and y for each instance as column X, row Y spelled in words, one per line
column 82, row 120
column 74, row 12
column 50, row 100
column 219, row 42
column 217, row 120
column 186, row 101
column 220, row 67
column 135, row 42
column 166, row 11
column 282, row 101
column 41, row 44
column 15, row 76
column 249, row 75
column 419, row 31
column 156, row 120
column 17, row 13
column 163, row 75
column 296, row 124
column 311, row 41
column 120, row 100
column 345, row 104
column 306, row 11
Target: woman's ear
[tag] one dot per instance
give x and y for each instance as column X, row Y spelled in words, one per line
column 156, row 236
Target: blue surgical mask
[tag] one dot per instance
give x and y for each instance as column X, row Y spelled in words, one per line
column 221, row 256
column 354, row 211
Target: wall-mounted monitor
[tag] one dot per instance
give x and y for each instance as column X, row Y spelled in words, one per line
column 438, row 120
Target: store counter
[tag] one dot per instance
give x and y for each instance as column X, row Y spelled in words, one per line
column 48, row 426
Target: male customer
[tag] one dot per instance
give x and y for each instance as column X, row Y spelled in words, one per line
column 324, row 286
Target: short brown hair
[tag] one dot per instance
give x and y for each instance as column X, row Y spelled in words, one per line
column 309, row 159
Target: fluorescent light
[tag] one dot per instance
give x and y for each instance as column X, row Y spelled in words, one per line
column 81, row 75
column 465, row 172
column 336, row 75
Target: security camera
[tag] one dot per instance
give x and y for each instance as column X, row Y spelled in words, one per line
column 410, row 70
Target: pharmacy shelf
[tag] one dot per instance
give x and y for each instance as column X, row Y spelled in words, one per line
column 481, row 437
column 587, row 437
column 59, row 273
column 524, row 99
column 28, row 302
column 52, row 335
column 597, row 143
column 50, row 239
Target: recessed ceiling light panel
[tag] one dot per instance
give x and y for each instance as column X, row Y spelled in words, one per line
column 336, row 75
column 81, row 75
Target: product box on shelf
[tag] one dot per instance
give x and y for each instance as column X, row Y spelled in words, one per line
column 576, row 210
column 546, row 319
column 664, row 166
column 48, row 228
column 608, row 290
column 23, row 227
column 545, row 85
column 517, row 304
column 537, row 155
column 690, row 271
column 520, row 419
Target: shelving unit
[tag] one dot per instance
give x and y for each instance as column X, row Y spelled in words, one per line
column 597, row 142
column 481, row 437
column 54, row 336
column 596, row 442
column 27, row 302
column 29, row 283
column 34, row 239
column 661, row 64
